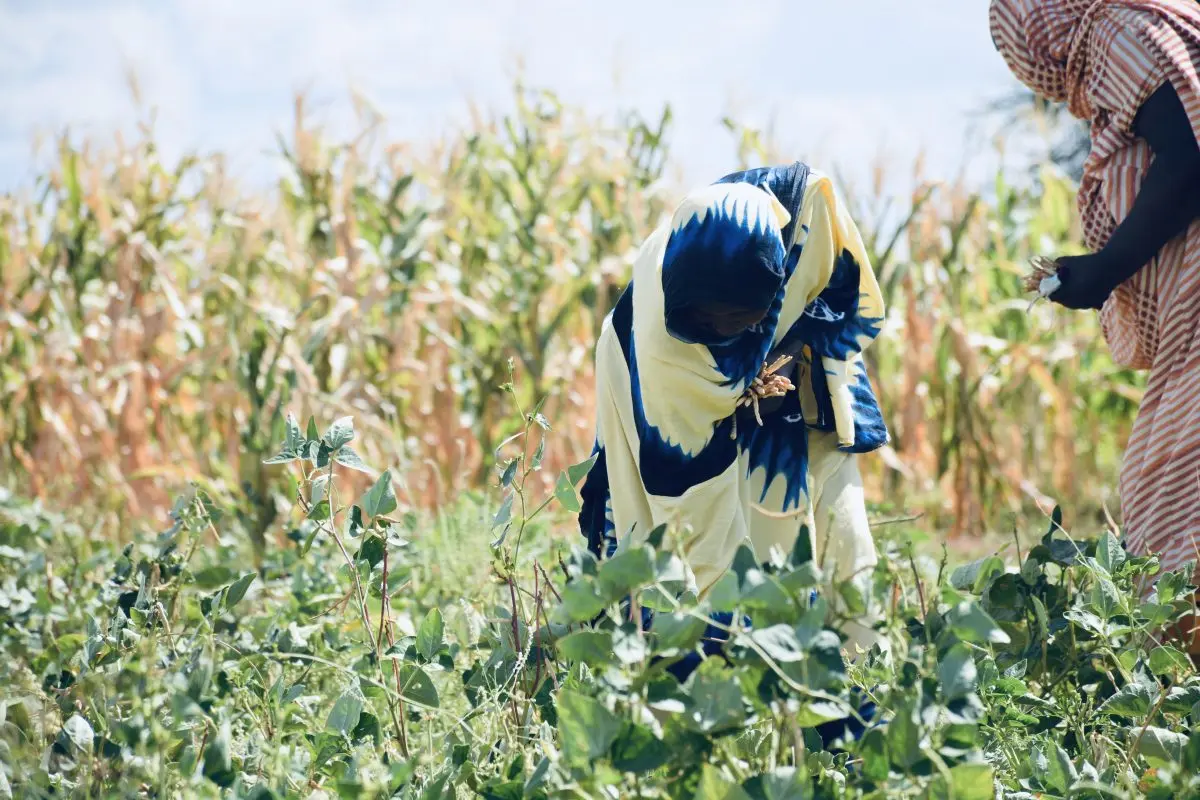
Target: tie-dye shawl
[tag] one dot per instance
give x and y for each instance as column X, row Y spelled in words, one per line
column 681, row 422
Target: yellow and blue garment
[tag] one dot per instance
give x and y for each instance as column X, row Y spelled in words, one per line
column 670, row 445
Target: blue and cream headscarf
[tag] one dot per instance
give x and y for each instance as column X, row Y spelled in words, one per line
column 726, row 250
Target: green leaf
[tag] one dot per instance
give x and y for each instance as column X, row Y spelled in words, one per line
column 312, row 435
column 781, row 783
column 765, row 593
column 294, row 437
column 318, row 489
column 1161, row 747
column 354, row 524
column 817, row 712
column 973, row 576
column 430, row 635
column 401, row 647
column 1109, row 553
column 1170, row 585
column 873, row 749
column 579, row 471
column 293, row 443
column 1056, row 520
column 671, row 574
column 1181, row 699
column 586, row 728
column 282, row 457
column 78, row 734
column 538, row 454
column 345, row 713
column 210, row 606
column 293, row 691
column 971, row 623
column 212, row 577
column 655, row 538
column 349, row 458
column 806, row 577
column 1155, row 615
column 626, row 571
column 629, row 645
column 1064, row 552
column 1043, row 617
column 725, row 594
column 676, row 630
column 1004, row 598
column 218, row 762
column 852, row 598
column 1060, row 773
column 1191, row 753
column 904, row 738
column 970, row 781
column 587, row 647
column 957, row 673
column 502, row 790
column 341, row 432
column 538, row 777
column 715, row 786
column 372, row 550
column 380, row 499
column 1134, row 699
column 1166, row 660
column 510, row 472
column 581, row 601
column 636, row 749
column 717, row 703
column 779, row 642
column 367, row 728
column 1087, row 620
column 564, row 492
column 237, row 590
column 802, row 549
column 973, row 781
column 1105, row 598
column 415, row 686
column 504, row 513
column 320, row 512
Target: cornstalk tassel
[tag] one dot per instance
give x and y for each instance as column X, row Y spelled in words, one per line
column 766, row 384
column 1044, row 279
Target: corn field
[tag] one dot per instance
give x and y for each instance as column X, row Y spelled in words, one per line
column 157, row 322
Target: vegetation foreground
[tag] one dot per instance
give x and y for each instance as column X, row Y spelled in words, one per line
column 384, row 654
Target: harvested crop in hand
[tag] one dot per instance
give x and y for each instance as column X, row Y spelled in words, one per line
column 767, row 384
column 1043, row 279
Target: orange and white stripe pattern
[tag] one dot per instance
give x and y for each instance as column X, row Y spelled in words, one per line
column 1104, row 58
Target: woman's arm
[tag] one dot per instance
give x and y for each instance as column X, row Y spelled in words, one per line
column 1166, row 204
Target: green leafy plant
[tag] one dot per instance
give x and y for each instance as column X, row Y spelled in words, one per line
column 383, row 653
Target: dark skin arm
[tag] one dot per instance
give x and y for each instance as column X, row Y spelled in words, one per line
column 1167, row 203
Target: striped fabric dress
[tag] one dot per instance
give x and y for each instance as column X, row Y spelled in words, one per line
column 1105, row 58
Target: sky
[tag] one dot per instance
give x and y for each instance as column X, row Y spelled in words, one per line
column 842, row 82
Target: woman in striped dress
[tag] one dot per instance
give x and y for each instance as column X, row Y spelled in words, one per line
column 1129, row 67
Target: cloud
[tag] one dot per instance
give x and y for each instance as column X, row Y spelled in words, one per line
column 838, row 77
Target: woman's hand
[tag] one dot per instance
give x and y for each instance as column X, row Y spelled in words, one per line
column 1085, row 282
column 771, row 404
column 772, row 383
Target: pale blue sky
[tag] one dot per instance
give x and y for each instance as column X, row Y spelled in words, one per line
column 843, row 80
